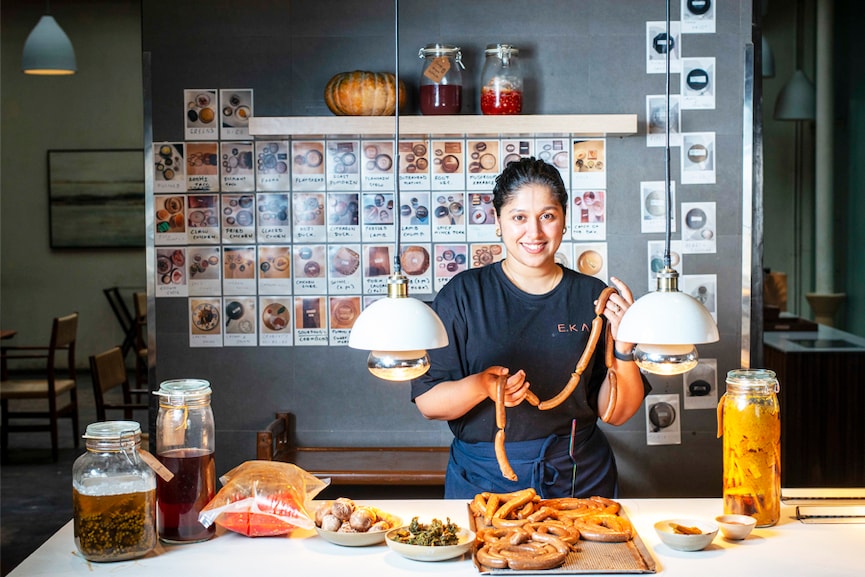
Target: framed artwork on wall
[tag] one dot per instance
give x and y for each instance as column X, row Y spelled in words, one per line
column 96, row 198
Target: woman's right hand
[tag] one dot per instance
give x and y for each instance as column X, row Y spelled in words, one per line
column 515, row 389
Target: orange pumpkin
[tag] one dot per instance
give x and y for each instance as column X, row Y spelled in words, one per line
column 362, row 93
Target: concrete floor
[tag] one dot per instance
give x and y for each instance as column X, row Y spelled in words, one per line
column 35, row 492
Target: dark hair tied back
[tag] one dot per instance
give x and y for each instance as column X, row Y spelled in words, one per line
column 525, row 171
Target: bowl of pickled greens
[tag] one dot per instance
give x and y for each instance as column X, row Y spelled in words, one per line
column 435, row 540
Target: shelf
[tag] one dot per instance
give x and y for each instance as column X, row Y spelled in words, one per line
column 596, row 125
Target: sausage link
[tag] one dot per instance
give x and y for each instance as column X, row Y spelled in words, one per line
column 500, row 401
column 530, row 562
column 614, row 393
column 594, row 336
column 563, row 394
column 478, row 505
column 488, row 557
column 490, row 509
column 502, row 458
column 608, row 347
column 602, row 299
column 519, row 499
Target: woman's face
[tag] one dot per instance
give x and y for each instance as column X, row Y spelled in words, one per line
column 532, row 223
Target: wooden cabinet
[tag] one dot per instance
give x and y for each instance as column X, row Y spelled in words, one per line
column 822, row 400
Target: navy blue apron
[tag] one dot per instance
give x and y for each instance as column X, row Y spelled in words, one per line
column 543, row 464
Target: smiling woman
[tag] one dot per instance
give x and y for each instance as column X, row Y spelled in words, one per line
column 516, row 329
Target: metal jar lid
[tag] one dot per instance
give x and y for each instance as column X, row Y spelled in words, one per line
column 108, row 430
column 502, row 50
column 184, row 389
column 440, row 50
column 759, row 380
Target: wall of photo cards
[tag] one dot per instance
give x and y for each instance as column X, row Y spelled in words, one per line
column 263, row 249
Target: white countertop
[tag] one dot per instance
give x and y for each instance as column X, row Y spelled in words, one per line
column 789, row 548
column 824, row 339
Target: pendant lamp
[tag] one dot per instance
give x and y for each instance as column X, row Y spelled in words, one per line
column 48, row 51
column 666, row 323
column 798, row 99
column 397, row 329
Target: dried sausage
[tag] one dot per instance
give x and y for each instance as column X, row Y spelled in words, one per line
column 502, row 457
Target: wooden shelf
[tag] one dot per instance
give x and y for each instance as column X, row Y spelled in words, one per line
column 596, row 125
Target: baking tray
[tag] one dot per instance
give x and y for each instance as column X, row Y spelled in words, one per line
column 592, row 557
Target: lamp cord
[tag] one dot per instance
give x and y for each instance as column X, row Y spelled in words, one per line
column 667, row 189
column 397, row 267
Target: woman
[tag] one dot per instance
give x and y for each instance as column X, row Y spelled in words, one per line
column 528, row 318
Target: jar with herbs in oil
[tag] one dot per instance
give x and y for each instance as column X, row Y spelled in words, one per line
column 113, row 494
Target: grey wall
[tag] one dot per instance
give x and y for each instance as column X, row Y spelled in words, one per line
column 582, row 57
column 100, row 107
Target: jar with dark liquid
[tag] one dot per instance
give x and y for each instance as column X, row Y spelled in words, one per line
column 185, row 446
column 113, row 495
column 749, row 420
column 441, row 80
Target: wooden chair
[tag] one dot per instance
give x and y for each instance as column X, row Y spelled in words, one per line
column 49, row 386
column 141, row 366
column 108, row 371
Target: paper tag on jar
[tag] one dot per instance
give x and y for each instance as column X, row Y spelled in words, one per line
column 437, row 68
column 157, row 467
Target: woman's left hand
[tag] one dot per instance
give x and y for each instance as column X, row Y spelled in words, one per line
column 617, row 304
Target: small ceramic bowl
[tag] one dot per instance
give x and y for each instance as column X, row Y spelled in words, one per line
column 666, row 530
column 735, row 527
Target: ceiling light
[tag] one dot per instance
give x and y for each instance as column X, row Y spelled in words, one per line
column 48, row 50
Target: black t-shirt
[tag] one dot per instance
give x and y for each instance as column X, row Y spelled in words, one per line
column 491, row 322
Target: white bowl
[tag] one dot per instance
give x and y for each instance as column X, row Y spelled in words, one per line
column 681, row 542
column 429, row 552
column 735, row 527
column 352, row 539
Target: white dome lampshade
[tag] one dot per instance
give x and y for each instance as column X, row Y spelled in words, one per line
column 666, row 324
column 398, row 330
column 48, row 50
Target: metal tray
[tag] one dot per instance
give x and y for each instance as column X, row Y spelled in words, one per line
column 592, row 557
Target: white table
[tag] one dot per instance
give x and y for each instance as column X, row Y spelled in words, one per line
column 789, row 548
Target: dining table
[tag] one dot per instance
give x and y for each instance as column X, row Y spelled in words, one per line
column 790, row 548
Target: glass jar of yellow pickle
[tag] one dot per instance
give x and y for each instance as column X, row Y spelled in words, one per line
column 749, row 421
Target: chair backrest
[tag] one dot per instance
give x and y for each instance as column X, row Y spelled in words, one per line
column 108, row 371
column 275, row 438
column 139, row 300
column 64, row 332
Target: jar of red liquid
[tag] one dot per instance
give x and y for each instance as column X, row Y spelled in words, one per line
column 441, row 79
column 501, row 81
column 184, row 445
